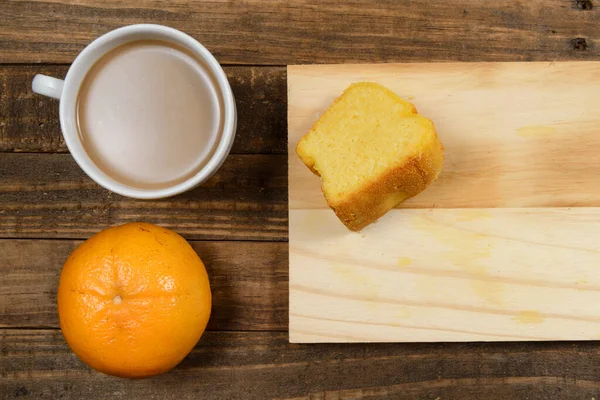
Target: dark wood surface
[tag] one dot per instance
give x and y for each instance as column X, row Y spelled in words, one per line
column 29, row 122
column 282, row 32
column 48, row 196
column 238, row 220
column 249, row 283
column 263, row 365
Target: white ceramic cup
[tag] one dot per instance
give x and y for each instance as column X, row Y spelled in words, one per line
column 67, row 91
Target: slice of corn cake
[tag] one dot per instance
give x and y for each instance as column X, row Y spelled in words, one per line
column 373, row 151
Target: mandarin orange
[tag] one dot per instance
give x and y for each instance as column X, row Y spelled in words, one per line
column 133, row 300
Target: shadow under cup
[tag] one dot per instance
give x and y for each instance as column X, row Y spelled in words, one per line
column 149, row 114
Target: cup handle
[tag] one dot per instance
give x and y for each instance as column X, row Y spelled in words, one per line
column 48, row 86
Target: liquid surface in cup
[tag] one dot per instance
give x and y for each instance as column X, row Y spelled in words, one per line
column 149, row 115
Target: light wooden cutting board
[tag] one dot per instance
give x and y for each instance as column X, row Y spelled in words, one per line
column 505, row 245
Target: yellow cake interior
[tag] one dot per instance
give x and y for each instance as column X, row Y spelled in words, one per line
column 365, row 133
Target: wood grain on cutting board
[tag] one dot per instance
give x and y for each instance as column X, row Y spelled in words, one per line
column 505, row 245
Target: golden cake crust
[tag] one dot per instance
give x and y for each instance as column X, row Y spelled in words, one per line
column 381, row 195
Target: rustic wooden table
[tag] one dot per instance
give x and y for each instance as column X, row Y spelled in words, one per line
column 238, row 220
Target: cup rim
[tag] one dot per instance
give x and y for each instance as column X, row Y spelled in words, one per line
column 73, row 141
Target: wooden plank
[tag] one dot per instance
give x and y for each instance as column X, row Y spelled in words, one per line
column 248, row 281
column 446, row 275
column 514, row 134
column 300, row 31
column 49, row 196
column 29, row 122
column 256, row 365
